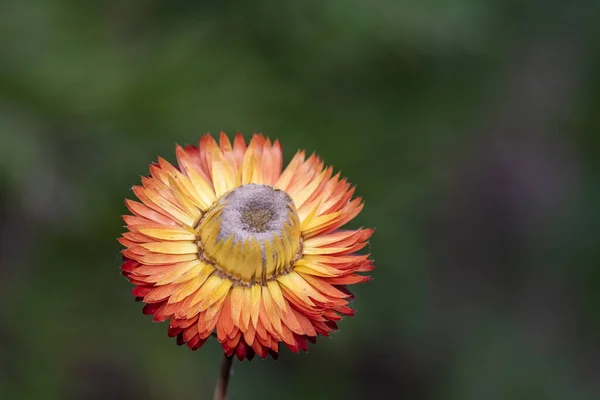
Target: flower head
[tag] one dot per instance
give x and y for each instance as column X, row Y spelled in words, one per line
column 228, row 243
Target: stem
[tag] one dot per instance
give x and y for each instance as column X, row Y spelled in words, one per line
column 223, row 381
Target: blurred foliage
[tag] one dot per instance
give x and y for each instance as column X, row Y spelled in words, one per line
column 469, row 127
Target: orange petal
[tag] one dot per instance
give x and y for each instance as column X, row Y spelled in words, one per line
column 288, row 173
column 237, row 302
column 142, row 210
column 239, row 149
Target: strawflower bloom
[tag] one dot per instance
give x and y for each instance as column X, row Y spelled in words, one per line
column 227, row 244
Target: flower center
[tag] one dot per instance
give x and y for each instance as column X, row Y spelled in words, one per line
column 256, row 219
column 251, row 234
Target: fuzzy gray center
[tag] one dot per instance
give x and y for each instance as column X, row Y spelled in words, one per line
column 257, row 211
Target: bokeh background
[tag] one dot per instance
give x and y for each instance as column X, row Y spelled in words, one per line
column 470, row 127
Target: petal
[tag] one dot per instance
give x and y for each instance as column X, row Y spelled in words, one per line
column 203, row 190
column 160, row 258
column 144, row 211
column 171, row 233
column 276, row 295
column 300, row 287
column 237, row 303
column 287, row 175
column 171, row 247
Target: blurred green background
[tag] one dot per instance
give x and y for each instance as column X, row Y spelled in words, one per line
column 470, row 127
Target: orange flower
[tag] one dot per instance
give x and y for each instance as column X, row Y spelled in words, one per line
column 227, row 243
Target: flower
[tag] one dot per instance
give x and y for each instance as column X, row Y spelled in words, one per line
column 229, row 244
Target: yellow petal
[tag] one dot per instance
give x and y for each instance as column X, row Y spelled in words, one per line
column 159, row 258
column 185, row 290
column 255, row 305
column 237, row 302
column 223, row 179
column 167, row 233
column 276, row 294
column 317, row 270
column 320, row 221
column 269, row 261
column 211, row 291
column 301, row 288
column 170, row 273
column 212, row 311
column 205, row 193
column 176, row 212
column 247, row 307
column 171, row 247
column 287, row 175
column 307, row 219
column 248, row 165
column 301, row 195
column 187, row 202
column 323, row 250
column 202, row 270
column 272, row 310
